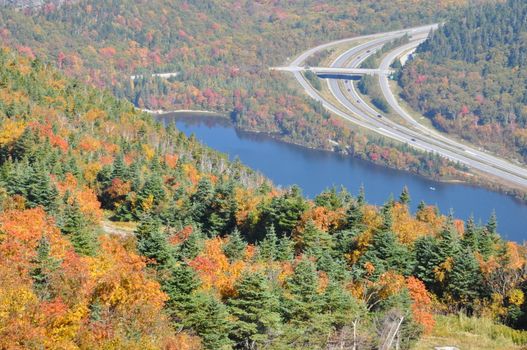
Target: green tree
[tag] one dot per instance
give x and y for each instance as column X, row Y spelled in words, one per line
column 255, row 309
column 153, row 244
column 235, row 246
column 210, row 320
column 75, row 227
column 44, row 265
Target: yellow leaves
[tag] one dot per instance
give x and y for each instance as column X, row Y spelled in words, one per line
column 148, row 150
column 405, row 226
column 390, row 283
column 516, row 297
column 441, row 271
column 64, row 325
column 191, row 173
column 90, row 172
column 94, row 114
column 10, row 131
column 120, row 281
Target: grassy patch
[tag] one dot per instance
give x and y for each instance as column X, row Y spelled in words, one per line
column 472, row 334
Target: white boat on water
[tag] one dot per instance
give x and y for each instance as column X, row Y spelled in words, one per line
column 432, row 188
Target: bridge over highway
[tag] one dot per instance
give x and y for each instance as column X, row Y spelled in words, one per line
column 336, row 71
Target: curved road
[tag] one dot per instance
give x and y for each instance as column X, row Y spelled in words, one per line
column 353, row 108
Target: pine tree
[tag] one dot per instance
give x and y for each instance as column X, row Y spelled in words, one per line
column 355, row 215
column 305, row 302
column 465, row 278
column 192, row 246
column 405, row 196
column 267, row 249
column 180, row 286
column 285, row 249
column 471, row 236
column 255, row 310
column 119, row 169
column 44, row 264
column 210, row 320
column 153, row 244
column 427, row 259
column 386, row 253
column 234, row 249
column 314, row 241
column 74, row 226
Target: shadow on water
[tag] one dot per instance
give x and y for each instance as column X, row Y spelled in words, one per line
column 314, row 171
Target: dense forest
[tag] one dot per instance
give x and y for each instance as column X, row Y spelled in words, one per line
column 213, row 256
column 220, row 53
column 469, row 77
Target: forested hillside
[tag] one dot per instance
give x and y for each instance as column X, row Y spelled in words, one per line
column 221, row 52
column 217, row 258
column 469, row 77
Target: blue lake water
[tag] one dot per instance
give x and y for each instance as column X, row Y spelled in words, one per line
column 315, row 171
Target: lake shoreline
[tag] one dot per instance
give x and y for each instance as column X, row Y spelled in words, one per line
column 473, row 179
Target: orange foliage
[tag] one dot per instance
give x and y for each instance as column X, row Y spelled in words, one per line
column 215, row 270
column 421, row 303
column 322, row 217
column 85, row 197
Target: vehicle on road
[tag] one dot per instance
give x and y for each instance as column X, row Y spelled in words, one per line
column 413, row 139
column 378, row 115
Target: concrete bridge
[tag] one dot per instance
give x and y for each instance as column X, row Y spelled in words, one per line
column 336, row 72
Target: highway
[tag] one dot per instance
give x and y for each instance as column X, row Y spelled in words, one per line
column 353, row 108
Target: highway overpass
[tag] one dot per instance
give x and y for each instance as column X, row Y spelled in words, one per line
column 337, row 72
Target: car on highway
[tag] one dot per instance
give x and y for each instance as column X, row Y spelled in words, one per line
column 413, row 140
column 378, row 115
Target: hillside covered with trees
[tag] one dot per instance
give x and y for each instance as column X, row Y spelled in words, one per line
column 220, row 53
column 469, row 77
column 217, row 257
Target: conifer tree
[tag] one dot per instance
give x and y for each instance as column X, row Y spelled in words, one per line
column 192, row 246
column 234, row 249
column 180, row 287
column 44, row 264
column 285, row 249
column 405, row 196
column 74, row 226
column 255, row 310
column 153, row 244
column 305, row 302
column 210, row 320
column 267, row 249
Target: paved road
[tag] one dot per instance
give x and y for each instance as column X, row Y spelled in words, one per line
column 352, row 107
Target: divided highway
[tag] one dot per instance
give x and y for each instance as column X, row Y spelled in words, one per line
column 353, row 108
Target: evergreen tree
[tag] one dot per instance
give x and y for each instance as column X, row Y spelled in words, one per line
column 386, row 253
column 355, row 215
column 180, row 286
column 44, row 265
column 153, row 244
column 471, row 236
column 255, row 310
column 313, row 241
column 75, row 227
column 192, row 246
column 427, row 259
column 285, row 249
column 405, row 196
column 210, row 320
column 234, row 249
column 267, row 249
column 465, row 279
column 305, row 302
column 119, row 169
